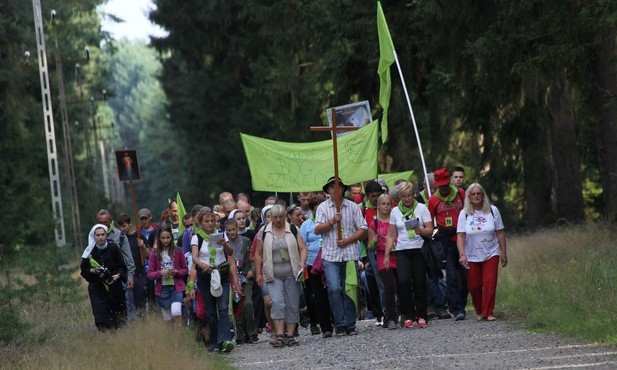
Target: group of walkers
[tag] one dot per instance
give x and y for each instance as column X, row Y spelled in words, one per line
column 233, row 270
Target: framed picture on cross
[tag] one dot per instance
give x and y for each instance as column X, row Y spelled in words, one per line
column 354, row 114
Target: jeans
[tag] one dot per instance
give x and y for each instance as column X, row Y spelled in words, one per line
column 216, row 308
column 136, row 297
column 436, row 290
column 380, row 287
column 456, row 279
column 343, row 308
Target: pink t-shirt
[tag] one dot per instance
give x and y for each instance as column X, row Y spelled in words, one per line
column 382, row 235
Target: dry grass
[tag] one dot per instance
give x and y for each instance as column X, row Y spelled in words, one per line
column 563, row 280
column 65, row 338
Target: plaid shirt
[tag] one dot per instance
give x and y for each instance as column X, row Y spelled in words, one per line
column 351, row 220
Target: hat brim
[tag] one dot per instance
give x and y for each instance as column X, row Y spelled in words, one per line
column 326, row 186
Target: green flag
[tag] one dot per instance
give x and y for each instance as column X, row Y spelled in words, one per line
column 390, row 178
column 296, row 167
column 386, row 58
column 181, row 213
column 351, row 282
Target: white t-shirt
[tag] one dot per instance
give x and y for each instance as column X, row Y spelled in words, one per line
column 403, row 241
column 204, row 252
column 480, row 239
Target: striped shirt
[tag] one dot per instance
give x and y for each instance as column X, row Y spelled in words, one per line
column 351, row 221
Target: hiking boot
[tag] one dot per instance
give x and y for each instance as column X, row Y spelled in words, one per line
column 443, row 314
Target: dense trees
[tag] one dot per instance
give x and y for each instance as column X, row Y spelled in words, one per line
column 509, row 90
column 520, row 93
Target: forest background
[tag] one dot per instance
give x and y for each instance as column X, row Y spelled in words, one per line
column 521, row 94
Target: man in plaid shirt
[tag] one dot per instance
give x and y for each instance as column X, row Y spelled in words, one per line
column 336, row 252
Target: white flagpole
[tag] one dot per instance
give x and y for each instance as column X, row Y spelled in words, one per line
column 413, row 120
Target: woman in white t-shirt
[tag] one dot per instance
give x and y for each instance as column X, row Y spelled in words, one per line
column 481, row 242
column 410, row 221
column 215, row 269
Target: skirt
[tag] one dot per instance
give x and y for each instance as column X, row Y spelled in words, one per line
column 168, row 296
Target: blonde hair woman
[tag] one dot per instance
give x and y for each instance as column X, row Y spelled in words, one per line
column 481, row 243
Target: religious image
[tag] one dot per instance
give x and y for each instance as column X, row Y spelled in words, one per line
column 128, row 167
column 354, row 114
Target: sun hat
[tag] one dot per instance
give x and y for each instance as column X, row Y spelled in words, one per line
column 331, row 181
column 442, row 177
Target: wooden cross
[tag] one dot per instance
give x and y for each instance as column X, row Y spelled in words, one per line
column 338, row 197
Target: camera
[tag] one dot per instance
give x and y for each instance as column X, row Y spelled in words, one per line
column 104, row 273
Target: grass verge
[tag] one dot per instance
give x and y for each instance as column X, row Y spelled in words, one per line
column 563, row 280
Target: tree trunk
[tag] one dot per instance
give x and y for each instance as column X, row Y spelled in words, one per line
column 605, row 73
column 568, row 187
column 537, row 174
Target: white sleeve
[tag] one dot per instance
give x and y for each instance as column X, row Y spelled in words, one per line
column 498, row 220
column 462, row 220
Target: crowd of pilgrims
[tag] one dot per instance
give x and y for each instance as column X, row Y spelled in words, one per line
column 233, row 271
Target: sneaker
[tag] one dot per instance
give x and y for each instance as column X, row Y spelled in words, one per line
column 215, row 350
column 384, row 325
column 326, row 334
column 378, row 321
column 408, row 324
column 491, row 318
column 351, row 332
column 227, row 346
column 340, row 331
column 239, row 342
column 459, row 317
column 421, row 323
column 315, row 330
column 391, row 325
column 254, row 339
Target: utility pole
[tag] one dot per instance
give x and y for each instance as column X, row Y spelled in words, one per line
column 69, row 168
column 50, row 135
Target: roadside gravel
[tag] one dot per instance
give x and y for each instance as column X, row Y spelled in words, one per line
column 445, row 344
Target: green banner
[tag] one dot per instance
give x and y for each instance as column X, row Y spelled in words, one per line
column 390, row 178
column 295, row 167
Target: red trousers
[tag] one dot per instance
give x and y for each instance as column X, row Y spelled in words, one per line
column 482, row 284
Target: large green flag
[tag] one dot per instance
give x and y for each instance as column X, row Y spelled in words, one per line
column 390, row 178
column 295, row 167
column 386, row 58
